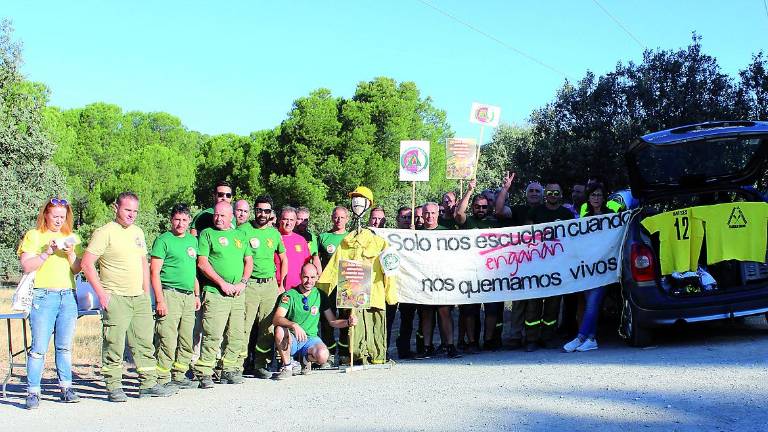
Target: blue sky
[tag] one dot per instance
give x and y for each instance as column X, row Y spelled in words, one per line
column 237, row 66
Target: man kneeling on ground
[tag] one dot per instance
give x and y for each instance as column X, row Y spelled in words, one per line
column 296, row 324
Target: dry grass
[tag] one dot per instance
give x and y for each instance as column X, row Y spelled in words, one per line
column 86, row 352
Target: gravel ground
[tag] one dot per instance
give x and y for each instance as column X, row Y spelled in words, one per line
column 707, row 377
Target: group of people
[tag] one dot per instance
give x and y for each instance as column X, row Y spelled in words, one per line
column 533, row 323
column 230, row 288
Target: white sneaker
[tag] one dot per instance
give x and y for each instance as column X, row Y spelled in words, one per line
column 295, row 367
column 572, row 345
column 588, row 345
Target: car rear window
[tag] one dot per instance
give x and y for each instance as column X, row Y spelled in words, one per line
column 695, row 162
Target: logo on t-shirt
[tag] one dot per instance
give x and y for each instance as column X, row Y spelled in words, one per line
column 238, row 244
column 270, row 244
column 331, row 248
column 191, row 252
column 223, row 241
column 298, row 248
column 737, row 219
column 313, row 311
column 254, row 242
column 285, row 299
column 139, row 242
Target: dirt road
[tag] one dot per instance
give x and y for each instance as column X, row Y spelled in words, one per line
column 705, row 377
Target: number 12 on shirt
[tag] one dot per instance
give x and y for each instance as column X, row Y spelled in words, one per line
column 681, row 226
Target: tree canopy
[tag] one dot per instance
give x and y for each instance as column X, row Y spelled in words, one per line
column 585, row 129
column 328, row 145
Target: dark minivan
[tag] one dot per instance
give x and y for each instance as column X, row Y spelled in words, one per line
column 702, row 164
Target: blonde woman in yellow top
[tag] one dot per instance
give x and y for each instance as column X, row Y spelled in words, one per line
column 53, row 251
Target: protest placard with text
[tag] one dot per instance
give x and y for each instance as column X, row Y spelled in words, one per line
column 460, row 158
column 445, row 267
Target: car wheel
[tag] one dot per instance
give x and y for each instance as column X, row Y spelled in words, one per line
column 634, row 334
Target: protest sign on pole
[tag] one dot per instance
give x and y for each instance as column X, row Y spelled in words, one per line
column 354, row 285
column 485, row 115
column 461, row 158
column 414, row 166
column 414, row 160
column 445, row 267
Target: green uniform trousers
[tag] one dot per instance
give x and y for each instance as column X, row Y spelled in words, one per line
column 327, row 333
column 370, row 336
column 221, row 314
column 128, row 317
column 173, row 336
column 260, row 299
column 541, row 318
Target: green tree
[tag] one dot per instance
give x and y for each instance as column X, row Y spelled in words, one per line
column 27, row 176
column 104, row 151
column 328, row 146
column 586, row 128
column 235, row 159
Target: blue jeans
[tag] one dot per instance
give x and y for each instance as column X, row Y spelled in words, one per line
column 594, row 298
column 302, row 348
column 54, row 312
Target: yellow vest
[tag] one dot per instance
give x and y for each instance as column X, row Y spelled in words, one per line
column 366, row 247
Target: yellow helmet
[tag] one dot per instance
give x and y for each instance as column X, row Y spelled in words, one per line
column 363, row 192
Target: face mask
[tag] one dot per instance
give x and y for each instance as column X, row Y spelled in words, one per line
column 359, row 205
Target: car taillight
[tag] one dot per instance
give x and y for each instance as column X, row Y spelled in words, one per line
column 641, row 257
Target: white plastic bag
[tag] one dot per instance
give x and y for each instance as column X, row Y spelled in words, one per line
column 22, row 298
column 85, row 295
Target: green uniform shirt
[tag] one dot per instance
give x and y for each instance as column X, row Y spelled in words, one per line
column 225, row 251
column 448, row 223
column 541, row 214
column 306, row 316
column 438, row 227
column 312, row 244
column 475, row 223
column 179, row 255
column 519, row 215
column 204, row 220
column 263, row 243
column 328, row 242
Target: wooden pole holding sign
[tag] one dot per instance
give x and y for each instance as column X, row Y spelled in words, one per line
column 461, row 187
column 479, row 145
column 351, row 341
column 413, row 205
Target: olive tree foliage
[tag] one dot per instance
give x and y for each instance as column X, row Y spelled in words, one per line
column 27, row 175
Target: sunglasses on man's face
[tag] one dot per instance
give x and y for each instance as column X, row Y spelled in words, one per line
column 224, row 194
column 261, row 210
column 306, row 303
column 477, row 206
column 552, row 193
column 59, row 202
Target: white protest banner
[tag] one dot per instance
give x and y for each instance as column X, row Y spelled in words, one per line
column 446, row 267
column 414, row 160
column 460, row 158
column 486, row 115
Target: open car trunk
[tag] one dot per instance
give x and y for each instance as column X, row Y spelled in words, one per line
column 703, row 164
column 728, row 276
